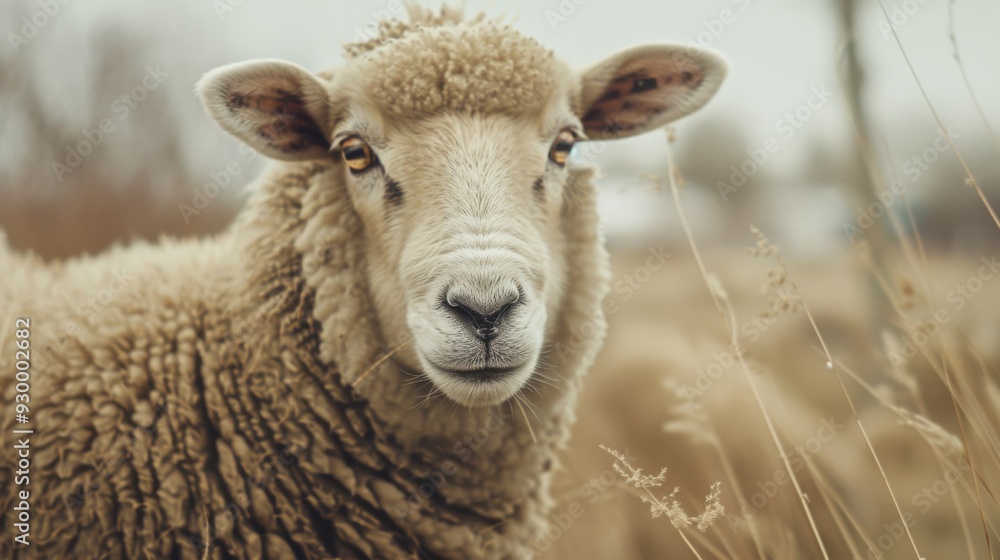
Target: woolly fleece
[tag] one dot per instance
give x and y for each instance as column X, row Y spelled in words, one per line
column 207, row 408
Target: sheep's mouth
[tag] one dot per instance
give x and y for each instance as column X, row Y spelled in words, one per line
column 480, row 374
column 476, row 387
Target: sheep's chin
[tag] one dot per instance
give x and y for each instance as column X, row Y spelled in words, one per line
column 477, row 393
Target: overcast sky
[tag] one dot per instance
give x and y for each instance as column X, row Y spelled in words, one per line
column 781, row 52
column 779, row 49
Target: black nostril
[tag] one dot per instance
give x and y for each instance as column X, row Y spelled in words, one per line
column 483, row 317
column 485, row 323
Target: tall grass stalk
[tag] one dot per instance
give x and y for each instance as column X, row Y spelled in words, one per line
column 965, row 75
column 729, row 318
column 831, row 365
column 961, row 160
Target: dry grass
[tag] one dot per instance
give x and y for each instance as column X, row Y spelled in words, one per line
column 813, row 437
column 933, row 415
column 669, row 331
column 767, row 406
column 917, row 478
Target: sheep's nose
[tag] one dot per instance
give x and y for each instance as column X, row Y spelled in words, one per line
column 482, row 313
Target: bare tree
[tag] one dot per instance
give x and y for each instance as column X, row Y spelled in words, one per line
column 860, row 185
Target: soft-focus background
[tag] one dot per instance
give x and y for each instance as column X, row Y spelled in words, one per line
column 102, row 140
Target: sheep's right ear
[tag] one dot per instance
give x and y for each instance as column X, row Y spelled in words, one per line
column 278, row 108
column 646, row 87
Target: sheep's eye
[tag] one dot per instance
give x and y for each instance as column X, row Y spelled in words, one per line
column 357, row 154
column 561, row 147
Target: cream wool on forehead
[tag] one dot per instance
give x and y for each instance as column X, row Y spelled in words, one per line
column 481, row 67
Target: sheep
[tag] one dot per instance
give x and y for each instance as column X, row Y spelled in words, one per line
column 380, row 357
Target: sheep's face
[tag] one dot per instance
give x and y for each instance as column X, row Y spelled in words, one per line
column 461, row 185
column 465, row 250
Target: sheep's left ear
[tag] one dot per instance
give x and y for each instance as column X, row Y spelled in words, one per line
column 276, row 107
column 646, row 87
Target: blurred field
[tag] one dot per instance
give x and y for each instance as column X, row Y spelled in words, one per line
column 667, row 389
column 668, row 333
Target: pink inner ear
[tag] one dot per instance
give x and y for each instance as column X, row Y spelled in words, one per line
column 278, row 115
column 640, row 91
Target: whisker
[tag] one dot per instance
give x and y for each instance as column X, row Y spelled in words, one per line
column 400, row 367
column 524, row 398
column 379, row 362
column 526, row 421
column 416, row 381
column 545, row 381
column 434, row 391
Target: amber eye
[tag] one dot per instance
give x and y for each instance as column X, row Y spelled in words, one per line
column 357, row 154
column 561, row 147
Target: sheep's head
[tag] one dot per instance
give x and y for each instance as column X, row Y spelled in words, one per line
column 455, row 144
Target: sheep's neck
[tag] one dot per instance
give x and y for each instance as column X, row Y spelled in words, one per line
column 404, row 467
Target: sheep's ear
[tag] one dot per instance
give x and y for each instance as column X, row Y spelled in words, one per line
column 646, row 87
column 278, row 108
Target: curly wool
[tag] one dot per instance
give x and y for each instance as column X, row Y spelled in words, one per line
column 418, row 17
column 481, row 67
column 208, row 408
column 212, row 406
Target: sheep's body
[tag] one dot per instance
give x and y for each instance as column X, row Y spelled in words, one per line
column 235, row 397
column 196, row 404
